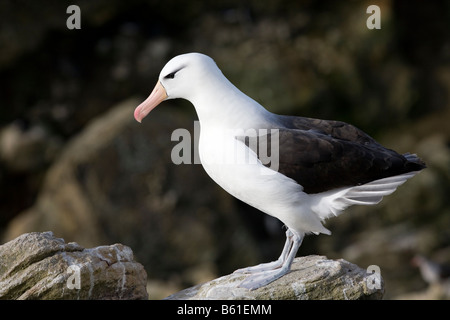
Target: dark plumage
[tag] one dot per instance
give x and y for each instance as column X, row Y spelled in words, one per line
column 322, row 155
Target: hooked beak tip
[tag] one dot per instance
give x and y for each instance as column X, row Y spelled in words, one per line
column 137, row 114
column 157, row 96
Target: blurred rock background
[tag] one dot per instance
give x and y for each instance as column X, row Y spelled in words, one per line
column 74, row 161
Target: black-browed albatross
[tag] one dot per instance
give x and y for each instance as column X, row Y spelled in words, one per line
column 322, row 166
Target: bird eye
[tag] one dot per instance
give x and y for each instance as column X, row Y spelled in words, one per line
column 170, row 75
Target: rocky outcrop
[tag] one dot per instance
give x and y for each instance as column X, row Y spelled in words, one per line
column 311, row 278
column 40, row 266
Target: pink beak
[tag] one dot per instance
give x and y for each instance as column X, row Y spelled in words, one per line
column 158, row 95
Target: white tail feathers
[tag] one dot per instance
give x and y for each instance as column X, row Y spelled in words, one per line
column 333, row 202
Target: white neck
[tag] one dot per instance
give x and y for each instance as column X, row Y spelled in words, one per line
column 221, row 104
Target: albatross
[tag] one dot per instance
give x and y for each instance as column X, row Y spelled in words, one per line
column 322, row 166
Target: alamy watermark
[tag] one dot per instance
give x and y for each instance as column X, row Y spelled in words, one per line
column 74, row 20
column 374, row 20
column 238, row 146
column 374, row 280
column 74, row 280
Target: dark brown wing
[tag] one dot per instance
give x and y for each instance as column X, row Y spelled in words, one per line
column 322, row 155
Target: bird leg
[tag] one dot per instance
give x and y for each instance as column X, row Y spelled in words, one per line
column 274, row 264
column 265, row 277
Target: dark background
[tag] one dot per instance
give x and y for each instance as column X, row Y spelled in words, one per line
column 308, row 58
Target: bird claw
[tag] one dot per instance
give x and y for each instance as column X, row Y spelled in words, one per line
column 260, row 267
column 261, row 279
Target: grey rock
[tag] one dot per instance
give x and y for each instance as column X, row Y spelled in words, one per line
column 39, row 266
column 311, row 278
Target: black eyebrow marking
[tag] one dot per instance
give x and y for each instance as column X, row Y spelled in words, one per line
column 172, row 74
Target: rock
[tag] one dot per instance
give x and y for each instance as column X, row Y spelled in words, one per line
column 39, row 266
column 312, row 277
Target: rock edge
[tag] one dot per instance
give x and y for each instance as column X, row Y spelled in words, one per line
column 38, row 265
column 311, row 278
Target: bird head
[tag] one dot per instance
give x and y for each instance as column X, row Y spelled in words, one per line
column 181, row 77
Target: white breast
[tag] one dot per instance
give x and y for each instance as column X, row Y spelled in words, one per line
column 236, row 168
